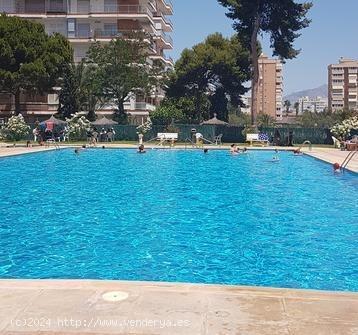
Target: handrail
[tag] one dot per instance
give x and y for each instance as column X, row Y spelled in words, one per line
column 309, row 144
column 347, row 160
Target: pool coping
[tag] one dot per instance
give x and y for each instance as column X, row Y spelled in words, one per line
column 207, row 309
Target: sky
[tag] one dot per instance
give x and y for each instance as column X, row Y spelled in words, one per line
column 332, row 34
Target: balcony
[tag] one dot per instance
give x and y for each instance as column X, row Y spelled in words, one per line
column 165, row 19
column 166, row 59
column 45, row 7
column 168, row 6
column 112, row 9
column 100, row 34
column 168, row 40
column 50, row 7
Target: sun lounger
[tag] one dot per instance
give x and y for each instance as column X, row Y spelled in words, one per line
column 167, row 137
column 256, row 138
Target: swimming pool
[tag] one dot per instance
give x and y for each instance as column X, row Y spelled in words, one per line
column 179, row 216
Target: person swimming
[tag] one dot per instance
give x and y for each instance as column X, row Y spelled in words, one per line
column 276, row 157
column 337, row 168
column 234, row 149
column 141, row 149
column 297, row 152
column 206, row 151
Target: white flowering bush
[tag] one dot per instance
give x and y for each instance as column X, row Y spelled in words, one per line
column 16, row 129
column 343, row 130
column 78, row 126
column 145, row 127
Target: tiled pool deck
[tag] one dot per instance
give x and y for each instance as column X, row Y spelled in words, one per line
column 78, row 307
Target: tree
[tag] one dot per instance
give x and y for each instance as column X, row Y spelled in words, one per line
column 281, row 19
column 80, row 91
column 166, row 114
column 123, row 70
column 30, row 60
column 296, row 106
column 287, row 105
column 265, row 120
column 213, row 71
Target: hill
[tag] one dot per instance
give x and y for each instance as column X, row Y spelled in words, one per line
column 321, row 91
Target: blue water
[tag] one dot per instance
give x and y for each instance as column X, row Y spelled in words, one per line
column 179, row 216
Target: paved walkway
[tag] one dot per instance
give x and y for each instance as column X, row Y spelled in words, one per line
column 105, row 307
column 14, row 151
column 334, row 156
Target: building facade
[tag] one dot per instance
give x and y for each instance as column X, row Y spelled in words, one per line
column 86, row 21
column 270, row 100
column 314, row 105
column 343, row 85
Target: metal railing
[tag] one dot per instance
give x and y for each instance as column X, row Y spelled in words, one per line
column 165, row 37
column 164, row 18
column 49, row 7
column 113, row 9
column 103, row 33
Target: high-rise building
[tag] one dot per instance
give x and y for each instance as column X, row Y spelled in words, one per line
column 86, row 21
column 343, row 85
column 269, row 100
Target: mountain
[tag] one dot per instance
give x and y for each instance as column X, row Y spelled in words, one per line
column 321, row 91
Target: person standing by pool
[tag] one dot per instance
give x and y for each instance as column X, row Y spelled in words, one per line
column 35, row 133
column 199, row 139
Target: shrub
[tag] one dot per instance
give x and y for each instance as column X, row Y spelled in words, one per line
column 344, row 129
column 78, row 126
column 16, row 129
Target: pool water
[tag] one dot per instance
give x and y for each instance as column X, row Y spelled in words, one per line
column 179, row 216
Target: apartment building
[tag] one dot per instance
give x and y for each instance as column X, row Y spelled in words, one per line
column 314, row 105
column 343, row 85
column 269, row 100
column 86, row 21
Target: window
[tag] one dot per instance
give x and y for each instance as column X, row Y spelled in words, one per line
column 110, row 29
column 83, row 30
column 110, row 6
column 83, row 6
column 56, row 6
column 34, row 6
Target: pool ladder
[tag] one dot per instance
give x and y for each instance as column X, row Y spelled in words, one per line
column 347, row 160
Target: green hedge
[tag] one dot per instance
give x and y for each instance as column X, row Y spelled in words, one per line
column 231, row 134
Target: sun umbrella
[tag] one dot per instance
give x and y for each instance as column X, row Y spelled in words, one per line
column 104, row 122
column 56, row 122
column 215, row 121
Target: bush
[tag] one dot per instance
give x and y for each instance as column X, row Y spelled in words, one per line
column 344, row 129
column 16, row 129
column 78, row 126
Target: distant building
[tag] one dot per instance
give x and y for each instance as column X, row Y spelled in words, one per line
column 314, row 105
column 86, row 21
column 269, row 100
column 246, row 109
column 343, row 85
